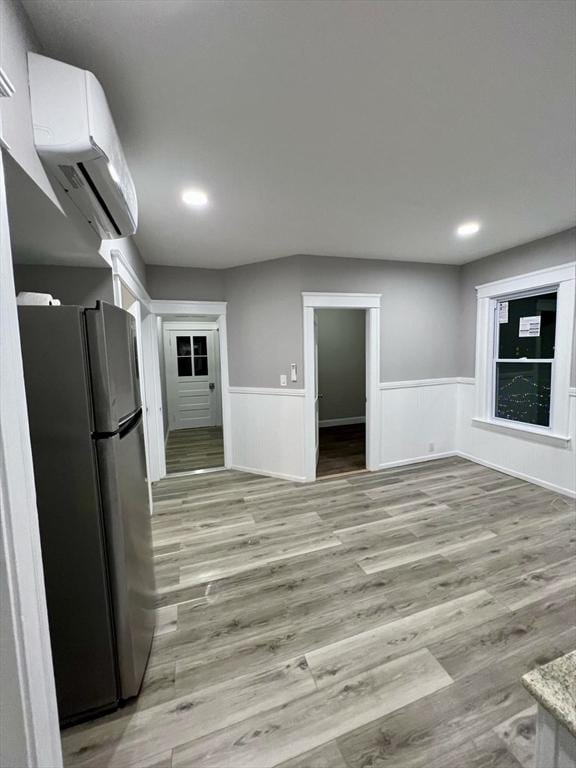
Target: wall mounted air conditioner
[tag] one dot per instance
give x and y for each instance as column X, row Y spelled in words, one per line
column 76, row 139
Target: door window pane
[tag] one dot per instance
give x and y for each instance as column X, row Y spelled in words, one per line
column 200, row 346
column 523, row 334
column 201, row 366
column 184, row 366
column 523, row 392
column 183, row 348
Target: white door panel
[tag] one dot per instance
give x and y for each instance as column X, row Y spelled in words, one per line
column 192, row 377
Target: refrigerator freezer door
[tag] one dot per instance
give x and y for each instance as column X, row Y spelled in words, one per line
column 69, row 509
column 122, row 468
column 114, row 365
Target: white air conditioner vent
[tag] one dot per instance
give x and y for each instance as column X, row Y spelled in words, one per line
column 76, row 138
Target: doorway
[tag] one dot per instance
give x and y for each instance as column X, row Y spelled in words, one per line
column 370, row 305
column 341, row 376
column 193, row 395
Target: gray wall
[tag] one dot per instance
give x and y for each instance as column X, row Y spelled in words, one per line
column 264, row 322
column 342, row 363
column 539, row 254
column 428, row 311
column 72, row 285
column 420, row 308
column 185, row 283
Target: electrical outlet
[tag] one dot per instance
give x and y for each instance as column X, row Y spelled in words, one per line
column 431, row 448
column 283, row 380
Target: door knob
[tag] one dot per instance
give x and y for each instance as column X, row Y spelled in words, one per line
column 211, row 386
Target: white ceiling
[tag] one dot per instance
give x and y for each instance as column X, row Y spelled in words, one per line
column 364, row 129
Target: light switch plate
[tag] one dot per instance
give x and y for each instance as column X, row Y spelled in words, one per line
column 293, row 372
column 283, row 380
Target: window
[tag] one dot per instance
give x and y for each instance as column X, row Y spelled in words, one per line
column 523, row 353
column 192, row 356
column 524, row 347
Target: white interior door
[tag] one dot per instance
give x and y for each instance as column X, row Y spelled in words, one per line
column 192, row 379
column 316, row 393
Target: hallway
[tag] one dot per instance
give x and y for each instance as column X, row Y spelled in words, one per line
column 191, row 449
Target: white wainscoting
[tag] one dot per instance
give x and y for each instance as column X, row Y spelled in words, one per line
column 519, row 454
column 417, row 420
column 267, row 429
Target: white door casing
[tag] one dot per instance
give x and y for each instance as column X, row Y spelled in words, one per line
column 28, row 711
column 192, row 378
column 371, row 303
column 316, row 392
column 136, row 312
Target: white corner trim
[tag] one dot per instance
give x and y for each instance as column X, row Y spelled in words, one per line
column 6, row 85
column 342, row 422
column 411, row 383
column 417, row 383
column 270, row 391
column 267, row 473
column 539, row 279
column 530, row 433
column 123, row 270
column 175, row 307
column 341, row 300
column 519, row 475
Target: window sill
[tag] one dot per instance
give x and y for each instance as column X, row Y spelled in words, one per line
column 530, row 433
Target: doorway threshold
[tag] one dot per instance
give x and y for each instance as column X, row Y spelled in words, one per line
column 206, row 471
column 343, row 474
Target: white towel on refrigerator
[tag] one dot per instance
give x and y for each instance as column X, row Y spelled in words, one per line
column 40, row 299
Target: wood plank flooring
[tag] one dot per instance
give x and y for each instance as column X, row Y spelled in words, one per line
column 191, row 449
column 341, row 449
column 378, row 619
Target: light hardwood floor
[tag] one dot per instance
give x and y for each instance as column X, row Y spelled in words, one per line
column 190, row 449
column 371, row 620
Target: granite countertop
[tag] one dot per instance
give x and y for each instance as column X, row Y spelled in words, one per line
column 554, row 687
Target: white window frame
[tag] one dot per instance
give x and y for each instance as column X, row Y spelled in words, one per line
column 562, row 280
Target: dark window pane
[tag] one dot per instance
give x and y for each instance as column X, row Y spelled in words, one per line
column 183, row 346
column 523, row 392
column 514, row 345
column 184, row 366
column 201, row 366
column 200, row 345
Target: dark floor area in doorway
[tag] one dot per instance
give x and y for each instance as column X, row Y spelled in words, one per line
column 342, row 449
column 191, row 449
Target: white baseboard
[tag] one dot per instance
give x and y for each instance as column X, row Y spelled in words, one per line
column 342, row 422
column 418, row 459
column 266, row 473
column 519, row 475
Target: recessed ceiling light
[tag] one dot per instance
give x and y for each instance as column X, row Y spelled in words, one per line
column 468, row 229
column 195, row 197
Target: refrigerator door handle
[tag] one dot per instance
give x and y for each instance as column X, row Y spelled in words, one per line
column 129, row 424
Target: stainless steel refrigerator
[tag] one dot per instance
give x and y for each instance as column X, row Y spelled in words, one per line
column 84, row 409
